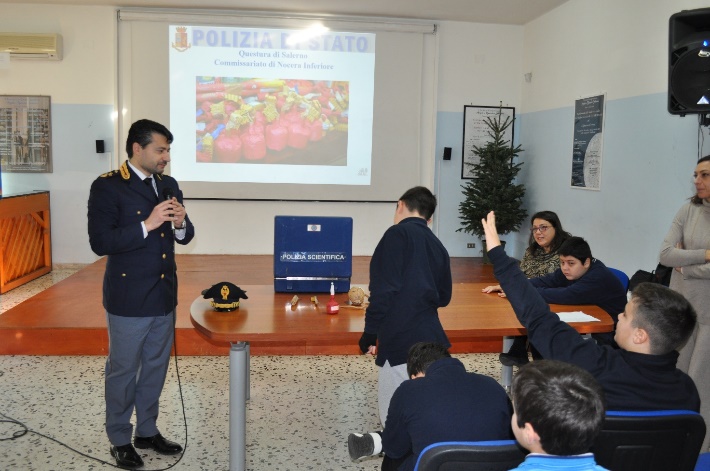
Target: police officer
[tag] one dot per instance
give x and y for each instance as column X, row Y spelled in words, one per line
column 133, row 226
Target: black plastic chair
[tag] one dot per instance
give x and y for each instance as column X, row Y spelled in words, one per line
column 493, row 455
column 650, row 440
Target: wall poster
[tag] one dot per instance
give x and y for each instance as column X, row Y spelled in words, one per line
column 25, row 134
column 476, row 131
column 588, row 140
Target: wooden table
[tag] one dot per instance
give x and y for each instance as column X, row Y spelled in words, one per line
column 269, row 316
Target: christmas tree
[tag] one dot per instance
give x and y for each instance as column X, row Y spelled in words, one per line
column 492, row 186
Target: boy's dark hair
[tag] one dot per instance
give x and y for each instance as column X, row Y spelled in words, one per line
column 421, row 355
column 576, row 247
column 665, row 315
column 142, row 132
column 560, row 234
column 562, row 402
column 421, row 200
column 694, row 199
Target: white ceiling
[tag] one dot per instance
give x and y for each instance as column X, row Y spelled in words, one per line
column 512, row 12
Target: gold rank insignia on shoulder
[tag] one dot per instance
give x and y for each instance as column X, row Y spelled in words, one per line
column 125, row 173
column 122, row 170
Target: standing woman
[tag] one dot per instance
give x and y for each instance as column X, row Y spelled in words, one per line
column 687, row 248
column 540, row 258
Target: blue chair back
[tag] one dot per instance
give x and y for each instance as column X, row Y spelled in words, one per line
column 621, row 276
column 703, row 463
column 493, row 455
column 650, row 440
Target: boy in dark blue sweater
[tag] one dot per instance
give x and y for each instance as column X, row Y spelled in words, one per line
column 441, row 402
column 582, row 279
column 410, row 279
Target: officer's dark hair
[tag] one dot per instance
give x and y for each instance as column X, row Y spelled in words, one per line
column 562, row 402
column 421, row 355
column 421, row 200
column 142, row 132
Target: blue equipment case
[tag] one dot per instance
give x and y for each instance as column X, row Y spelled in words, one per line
column 310, row 252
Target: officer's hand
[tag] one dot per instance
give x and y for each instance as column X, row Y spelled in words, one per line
column 162, row 212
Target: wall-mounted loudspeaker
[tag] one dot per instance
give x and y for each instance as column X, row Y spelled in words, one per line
column 689, row 62
column 100, row 149
column 447, row 153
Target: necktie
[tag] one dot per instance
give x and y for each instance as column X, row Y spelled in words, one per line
column 149, row 181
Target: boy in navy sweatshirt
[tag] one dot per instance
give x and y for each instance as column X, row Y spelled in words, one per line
column 582, row 279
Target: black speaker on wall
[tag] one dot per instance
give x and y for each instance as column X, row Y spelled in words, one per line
column 447, row 153
column 100, row 148
column 689, row 62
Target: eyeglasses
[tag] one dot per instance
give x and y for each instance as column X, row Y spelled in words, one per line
column 540, row 229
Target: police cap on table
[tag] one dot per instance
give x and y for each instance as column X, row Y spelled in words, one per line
column 225, row 296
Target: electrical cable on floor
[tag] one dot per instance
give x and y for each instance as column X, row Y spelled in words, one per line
column 24, row 429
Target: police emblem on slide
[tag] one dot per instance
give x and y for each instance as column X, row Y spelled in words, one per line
column 181, row 43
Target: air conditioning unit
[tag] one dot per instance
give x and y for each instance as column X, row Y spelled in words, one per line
column 32, row 45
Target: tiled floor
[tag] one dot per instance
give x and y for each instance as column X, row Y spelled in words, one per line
column 300, row 413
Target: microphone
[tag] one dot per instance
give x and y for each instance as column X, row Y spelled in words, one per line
column 168, row 195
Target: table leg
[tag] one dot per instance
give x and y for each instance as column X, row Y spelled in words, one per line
column 248, row 372
column 238, row 380
column 507, row 371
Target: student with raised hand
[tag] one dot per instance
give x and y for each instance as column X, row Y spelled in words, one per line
column 642, row 373
column 558, row 412
column 540, row 258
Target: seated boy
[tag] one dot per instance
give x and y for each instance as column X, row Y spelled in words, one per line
column 642, row 373
column 441, row 402
column 582, row 279
column 558, row 411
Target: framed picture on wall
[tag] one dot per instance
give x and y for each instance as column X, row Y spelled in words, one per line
column 25, row 134
column 587, row 143
column 476, row 132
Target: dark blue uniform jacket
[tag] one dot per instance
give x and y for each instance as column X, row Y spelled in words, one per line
column 140, row 278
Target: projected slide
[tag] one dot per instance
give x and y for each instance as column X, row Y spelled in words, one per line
column 272, row 121
column 262, row 109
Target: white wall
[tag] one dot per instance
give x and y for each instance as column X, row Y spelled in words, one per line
column 583, row 47
column 580, row 48
column 479, row 64
column 82, row 91
column 619, row 48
